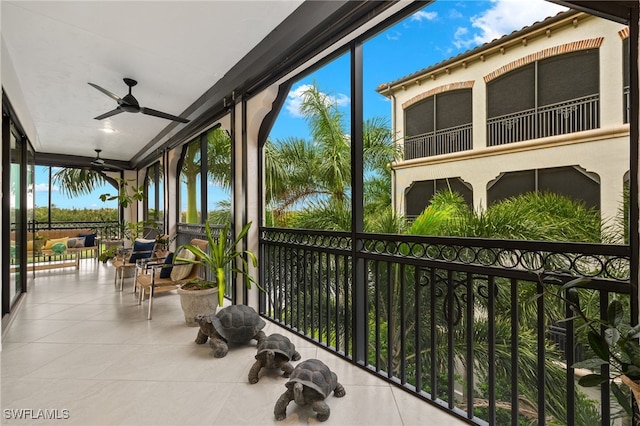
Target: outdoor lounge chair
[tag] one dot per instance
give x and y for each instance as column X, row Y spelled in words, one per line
column 182, row 272
column 126, row 260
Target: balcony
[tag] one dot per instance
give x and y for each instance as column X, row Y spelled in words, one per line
column 444, row 141
column 453, row 321
column 575, row 115
column 78, row 345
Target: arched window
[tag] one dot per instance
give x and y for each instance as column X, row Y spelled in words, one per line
column 439, row 124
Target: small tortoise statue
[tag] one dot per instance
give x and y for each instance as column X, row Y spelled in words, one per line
column 233, row 324
column 274, row 352
column 310, row 383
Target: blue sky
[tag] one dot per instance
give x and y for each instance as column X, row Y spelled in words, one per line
column 443, row 29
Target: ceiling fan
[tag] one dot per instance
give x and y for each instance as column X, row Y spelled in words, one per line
column 99, row 163
column 130, row 104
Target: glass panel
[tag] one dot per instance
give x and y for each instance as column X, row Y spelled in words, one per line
column 190, row 199
column 219, row 179
column 152, row 194
column 16, row 218
column 72, row 195
column 160, row 194
column 308, row 153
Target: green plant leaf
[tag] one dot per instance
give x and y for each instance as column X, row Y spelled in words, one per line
column 632, row 371
column 631, row 348
column 575, row 283
column 633, row 333
column 611, row 336
column 573, row 298
column 622, row 399
column 615, row 312
column 599, row 345
column 590, row 363
column 591, row 380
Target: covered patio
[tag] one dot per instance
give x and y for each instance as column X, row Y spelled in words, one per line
column 420, row 329
column 79, row 347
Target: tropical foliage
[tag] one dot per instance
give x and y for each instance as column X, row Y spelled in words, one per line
column 73, row 182
column 218, row 152
column 308, row 181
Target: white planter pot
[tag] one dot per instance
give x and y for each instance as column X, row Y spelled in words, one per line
column 196, row 302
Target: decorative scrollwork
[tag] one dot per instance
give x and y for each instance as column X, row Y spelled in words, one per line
column 532, row 259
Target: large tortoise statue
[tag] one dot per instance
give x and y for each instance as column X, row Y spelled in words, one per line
column 233, row 324
column 274, row 352
column 310, row 383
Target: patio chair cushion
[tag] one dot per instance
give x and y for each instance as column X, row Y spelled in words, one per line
column 79, row 242
column 166, row 271
column 49, row 244
column 90, row 239
column 179, row 272
column 141, row 250
column 59, row 247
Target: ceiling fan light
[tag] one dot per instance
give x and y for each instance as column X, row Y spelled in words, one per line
column 108, row 130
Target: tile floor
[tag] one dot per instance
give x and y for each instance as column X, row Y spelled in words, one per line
column 88, row 355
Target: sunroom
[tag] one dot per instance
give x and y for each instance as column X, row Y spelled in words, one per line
column 267, row 113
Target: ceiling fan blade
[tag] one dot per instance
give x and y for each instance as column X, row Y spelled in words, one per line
column 113, row 167
column 109, row 114
column 106, row 92
column 149, row 111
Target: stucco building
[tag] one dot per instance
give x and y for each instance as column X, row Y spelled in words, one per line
column 542, row 108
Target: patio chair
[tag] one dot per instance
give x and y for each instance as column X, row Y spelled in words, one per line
column 152, row 281
column 125, row 261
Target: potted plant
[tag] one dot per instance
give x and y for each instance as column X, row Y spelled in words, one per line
column 38, row 244
column 221, row 256
column 614, row 341
column 108, row 253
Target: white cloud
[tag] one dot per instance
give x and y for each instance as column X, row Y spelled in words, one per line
column 393, row 35
column 455, row 14
column 504, row 17
column 294, row 100
column 424, row 16
column 44, row 187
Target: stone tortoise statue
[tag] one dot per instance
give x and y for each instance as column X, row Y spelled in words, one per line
column 310, row 383
column 274, row 352
column 233, row 324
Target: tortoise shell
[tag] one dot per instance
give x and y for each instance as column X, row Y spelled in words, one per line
column 277, row 343
column 237, row 323
column 314, row 374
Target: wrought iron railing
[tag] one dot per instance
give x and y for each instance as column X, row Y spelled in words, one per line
column 444, row 141
column 455, row 321
column 571, row 116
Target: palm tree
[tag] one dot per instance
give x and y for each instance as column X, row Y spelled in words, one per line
column 218, row 167
column 74, row 182
column 316, row 174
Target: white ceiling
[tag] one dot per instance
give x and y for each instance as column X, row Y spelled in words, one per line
column 176, row 50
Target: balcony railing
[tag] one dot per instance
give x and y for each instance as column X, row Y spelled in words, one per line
column 452, row 320
column 575, row 115
column 440, row 142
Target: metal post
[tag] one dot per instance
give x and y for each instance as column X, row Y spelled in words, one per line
column 357, row 209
